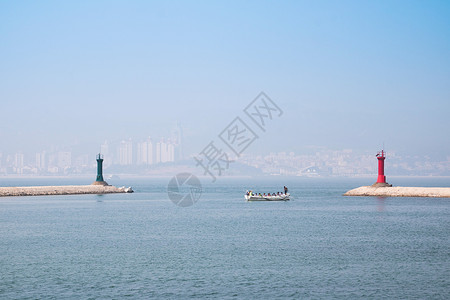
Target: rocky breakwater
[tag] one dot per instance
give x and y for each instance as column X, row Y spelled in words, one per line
column 62, row 190
column 400, row 191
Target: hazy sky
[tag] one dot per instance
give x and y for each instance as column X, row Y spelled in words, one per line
column 347, row 74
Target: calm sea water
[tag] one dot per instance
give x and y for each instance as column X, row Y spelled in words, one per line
column 319, row 245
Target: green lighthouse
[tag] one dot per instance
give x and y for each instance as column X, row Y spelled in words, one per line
column 99, row 180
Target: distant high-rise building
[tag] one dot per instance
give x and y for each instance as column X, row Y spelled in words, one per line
column 165, row 151
column 178, row 142
column 104, row 148
column 160, row 151
column 38, row 161
column 126, row 152
column 145, row 152
column 149, row 151
column 64, row 159
column 18, row 162
column 108, row 157
column 141, row 156
column 43, row 160
column 170, row 152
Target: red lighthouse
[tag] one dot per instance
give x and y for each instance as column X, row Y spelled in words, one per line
column 381, row 180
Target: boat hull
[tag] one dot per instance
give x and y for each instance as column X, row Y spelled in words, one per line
column 268, row 198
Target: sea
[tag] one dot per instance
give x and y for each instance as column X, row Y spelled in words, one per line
column 318, row 245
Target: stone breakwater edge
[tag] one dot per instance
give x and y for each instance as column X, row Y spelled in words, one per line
column 400, row 191
column 435, row 192
column 62, row 190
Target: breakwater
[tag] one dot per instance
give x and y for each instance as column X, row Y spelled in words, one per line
column 61, row 190
column 400, row 191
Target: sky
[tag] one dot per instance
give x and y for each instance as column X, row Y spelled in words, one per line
column 347, row 74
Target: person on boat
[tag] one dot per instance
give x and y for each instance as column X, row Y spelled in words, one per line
column 273, row 194
column 285, row 190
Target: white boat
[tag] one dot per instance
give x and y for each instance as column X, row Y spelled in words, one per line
column 279, row 197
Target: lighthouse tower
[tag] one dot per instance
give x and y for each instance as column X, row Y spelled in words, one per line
column 381, row 180
column 99, row 180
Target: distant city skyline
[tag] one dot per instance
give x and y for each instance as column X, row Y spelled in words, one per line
column 143, row 158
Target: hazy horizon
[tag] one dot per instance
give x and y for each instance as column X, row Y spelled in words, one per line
column 347, row 75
